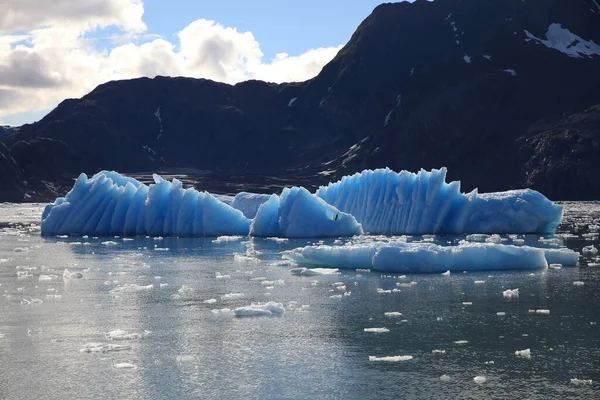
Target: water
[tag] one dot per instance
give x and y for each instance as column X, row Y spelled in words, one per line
column 54, row 343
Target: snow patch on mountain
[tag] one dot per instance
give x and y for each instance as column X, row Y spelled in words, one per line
column 563, row 40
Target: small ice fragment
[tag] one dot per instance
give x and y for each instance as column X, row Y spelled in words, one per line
column 479, row 282
column 480, row 379
column 467, row 303
column 489, row 362
column 542, row 311
column 391, row 358
column 163, row 284
column 555, row 266
column 588, row 250
column 131, row 288
column 232, row 296
column 120, row 334
column 383, row 291
column 222, row 239
column 447, row 273
column 210, row 301
column 109, row 243
column 501, row 313
column 125, row 366
column 518, row 242
column 578, row 283
column 72, row 275
column 336, row 296
column 21, row 250
column 184, row 358
column 438, row 351
column 576, row 381
column 221, row 311
column 270, row 308
column 337, row 284
column 511, row 293
column 392, row 314
column 376, row 330
column 461, row 341
column 523, row 353
column 313, row 271
column 219, row 276
column 445, row 378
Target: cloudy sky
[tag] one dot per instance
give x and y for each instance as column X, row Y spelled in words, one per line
column 56, row 49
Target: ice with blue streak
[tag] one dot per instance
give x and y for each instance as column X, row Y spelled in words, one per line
column 386, row 202
column 380, row 201
column 401, row 257
column 299, row 213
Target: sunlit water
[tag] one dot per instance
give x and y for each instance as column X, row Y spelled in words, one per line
column 54, row 343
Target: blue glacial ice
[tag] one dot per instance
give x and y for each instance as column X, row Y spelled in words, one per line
column 380, row 201
column 402, row 257
column 387, row 202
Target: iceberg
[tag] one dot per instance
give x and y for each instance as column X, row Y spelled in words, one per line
column 387, row 202
column 402, row 257
column 373, row 201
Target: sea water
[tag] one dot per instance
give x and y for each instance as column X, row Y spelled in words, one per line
column 144, row 317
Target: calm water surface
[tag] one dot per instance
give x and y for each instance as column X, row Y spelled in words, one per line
column 171, row 297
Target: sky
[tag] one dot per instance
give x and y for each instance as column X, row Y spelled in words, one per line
column 56, row 49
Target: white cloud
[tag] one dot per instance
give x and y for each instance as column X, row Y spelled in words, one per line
column 41, row 67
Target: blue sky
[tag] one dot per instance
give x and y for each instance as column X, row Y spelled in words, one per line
column 56, row 49
column 292, row 27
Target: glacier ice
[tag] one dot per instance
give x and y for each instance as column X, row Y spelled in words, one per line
column 426, row 257
column 378, row 202
column 387, row 202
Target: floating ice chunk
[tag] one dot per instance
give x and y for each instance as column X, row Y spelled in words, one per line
column 589, row 250
column 132, row 288
column 392, row 314
column 501, row 313
column 427, row 257
column 387, row 202
column 232, row 296
column 467, row 59
column 47, row 277
column 480, row 379
column 376, row 330
column 479, row 282
column 219, row 276
column 467, row 303
column 523, row 353
column 335, row 296
column 511, row 71
column 222, row 311
column 447, row 273
column 222, row 239
column 461, row 341
column 120, row 334
column 72, row 275
column 542, row 311
column 109, row 243
column 555, row 266
column 445, row 378
column 518, row 242
column 209, row 301
column 298, row 213
column 270, row 308
column 21, row 250
column 438, row 351
column 125, row 366
column 184, row 358
column 510, row 293
column 314, row 271
column 390, row 358
column 576, row 381
column 103, row 347
column 578, row 283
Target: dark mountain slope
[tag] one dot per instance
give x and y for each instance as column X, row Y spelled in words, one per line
column 504, row 93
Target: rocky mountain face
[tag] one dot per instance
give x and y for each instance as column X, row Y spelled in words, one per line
column 12, row 187
column 505, row 93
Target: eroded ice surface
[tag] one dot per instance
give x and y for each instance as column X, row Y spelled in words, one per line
column 387, row 202
column 428, row 257
column 380, row 201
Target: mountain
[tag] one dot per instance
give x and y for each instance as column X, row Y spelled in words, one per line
column 505, row 93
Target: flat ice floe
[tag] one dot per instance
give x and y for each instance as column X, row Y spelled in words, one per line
column 269, row 309
column 390, row 358
column 427, row 257
column 379, row 201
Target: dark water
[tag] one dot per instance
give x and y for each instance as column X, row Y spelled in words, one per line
column 180, row 347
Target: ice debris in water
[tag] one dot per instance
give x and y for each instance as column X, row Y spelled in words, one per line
column 510, row 293
column 125, row 366
column 72, row 275
column 379, row 201
column 447, row 273
column 445, row 378
column 254, row 310
column 120, row 334
column 461, row 341
column 576, row 381
column 397, row 256
column 392, row 314
column 131, row 288
column 542, row 311
column 390, row 358
column 314, row 271
column 589, row 250
column 578, row 283
column 480, row 379
column 103, row 347
column 501, row 313
column 376, row 330
column 523, row 353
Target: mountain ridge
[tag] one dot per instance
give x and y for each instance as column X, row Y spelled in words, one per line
column 503, row 93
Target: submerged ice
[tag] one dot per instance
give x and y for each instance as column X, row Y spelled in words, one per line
column 377, row 202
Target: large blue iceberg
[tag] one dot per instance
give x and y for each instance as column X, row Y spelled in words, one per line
column 386, row 202
column 380, row 201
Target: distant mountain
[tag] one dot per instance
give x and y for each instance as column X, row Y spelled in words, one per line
column 505, row 93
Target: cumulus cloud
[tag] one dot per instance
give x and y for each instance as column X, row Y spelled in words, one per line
column 52, row 61
column 25, row 15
